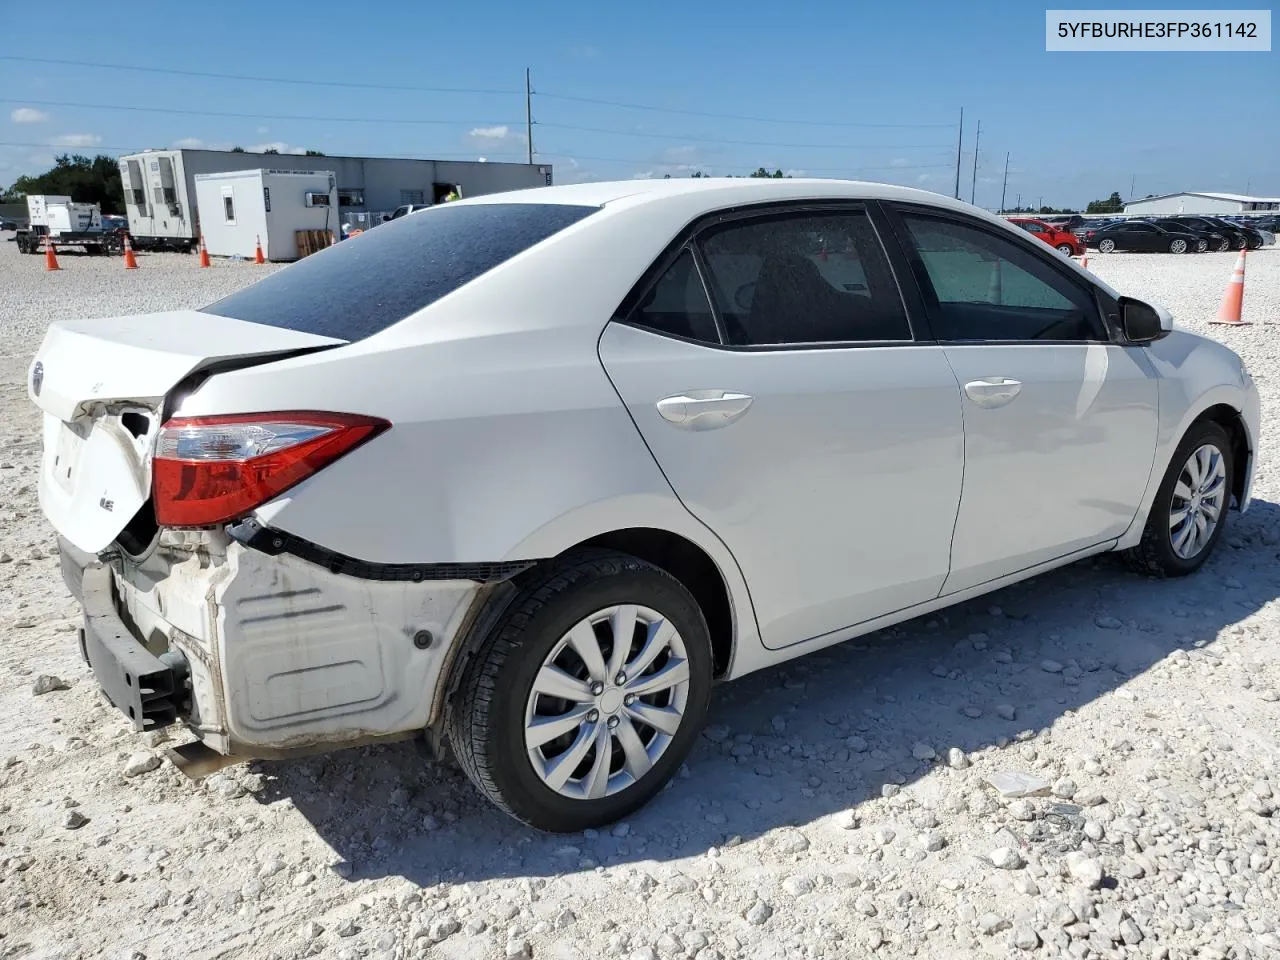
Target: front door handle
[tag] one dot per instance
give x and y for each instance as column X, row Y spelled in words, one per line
column 992, row 391
column 703, row 409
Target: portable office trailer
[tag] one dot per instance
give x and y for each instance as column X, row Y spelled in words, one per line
column 239, row 209
column 160, row 193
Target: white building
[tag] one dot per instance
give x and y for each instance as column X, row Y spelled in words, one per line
column 241, row 208
column 1201, row 203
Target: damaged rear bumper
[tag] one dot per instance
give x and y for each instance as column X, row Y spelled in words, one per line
column 150, row 690
column 266, row 656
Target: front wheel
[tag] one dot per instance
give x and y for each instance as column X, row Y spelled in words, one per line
column 586, row 695
column 1202, row 245
column 1224, row 245
column 1106, row 246
column 1190, row 509
column 1066, row 249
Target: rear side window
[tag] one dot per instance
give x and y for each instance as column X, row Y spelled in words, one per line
column 677, row 304
column 363, row 285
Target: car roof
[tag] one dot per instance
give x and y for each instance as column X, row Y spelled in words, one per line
column 718, row 192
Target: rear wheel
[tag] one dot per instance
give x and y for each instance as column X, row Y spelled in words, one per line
column 1178, row 246
column 1202, row 245
column 1066, row 249
column 1190, row 509
column 586, row 695
column 1106, row 246
column 1224, row 245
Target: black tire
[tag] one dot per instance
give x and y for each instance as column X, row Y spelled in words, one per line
column 1173, row 244
column 1202, row 245
column 1107, row 246
column 1066, row 250
column 1154, row 554
column 1224, row 244
column 485, row 722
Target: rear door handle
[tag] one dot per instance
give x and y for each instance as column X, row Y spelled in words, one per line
column 992, row 391
column 703, row 409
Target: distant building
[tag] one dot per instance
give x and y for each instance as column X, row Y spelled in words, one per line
column 1201, row 203
column 159, row 185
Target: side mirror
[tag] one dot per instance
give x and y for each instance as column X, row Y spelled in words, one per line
column 1142, row 322
column 386, row 218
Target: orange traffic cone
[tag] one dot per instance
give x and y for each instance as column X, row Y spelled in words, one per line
column 50, row 258
column 130, row 261
column 1084, row 261
column 1233, row 299
column 257, row 251
column 204, row 253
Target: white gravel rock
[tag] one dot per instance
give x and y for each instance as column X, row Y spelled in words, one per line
column 141, row 763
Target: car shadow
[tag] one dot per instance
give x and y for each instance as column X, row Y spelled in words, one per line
column 777, row 748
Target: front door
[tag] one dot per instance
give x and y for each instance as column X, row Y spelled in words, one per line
column 798, row 419
column 1060, row 423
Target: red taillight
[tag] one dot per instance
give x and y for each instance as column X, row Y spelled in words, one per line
column 209, row 470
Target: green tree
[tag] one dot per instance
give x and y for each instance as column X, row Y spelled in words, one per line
column 1113, row 204
column 271, row 150
column 83, row 179
column 238, row 150
column 761, row 172
column 314, row 153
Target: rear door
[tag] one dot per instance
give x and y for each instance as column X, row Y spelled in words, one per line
column 1059, row 422
column 796, row 415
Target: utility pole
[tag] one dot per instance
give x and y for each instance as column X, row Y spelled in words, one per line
column 1133, row 180
column 528, row 113
column 973, row 189
column 1017, row 206
column 1004, row 188
column 1040, row 205
column 959, row 144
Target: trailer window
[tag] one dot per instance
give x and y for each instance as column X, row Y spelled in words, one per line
column 365, row 284
column 229, row 208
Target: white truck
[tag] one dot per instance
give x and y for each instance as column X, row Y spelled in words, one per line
column 67, row 224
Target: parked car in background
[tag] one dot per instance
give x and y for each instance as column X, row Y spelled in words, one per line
column 466, row 477
column 1138, row 236
column 1061, row 239
column 1239, row 236
column 1205, row 239
column 8, row 224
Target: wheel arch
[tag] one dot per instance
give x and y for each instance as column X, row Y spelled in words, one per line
column 1231, row 420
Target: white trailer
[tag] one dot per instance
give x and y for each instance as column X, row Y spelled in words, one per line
column 67, row 224
column 160, row 192
column 241, row 208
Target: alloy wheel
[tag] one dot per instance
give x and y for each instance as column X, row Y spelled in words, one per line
column 1199, row 497
column 607, row 702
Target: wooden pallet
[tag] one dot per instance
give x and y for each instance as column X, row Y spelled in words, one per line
column 310, row 241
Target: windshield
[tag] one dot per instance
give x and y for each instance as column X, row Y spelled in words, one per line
column 362, row 285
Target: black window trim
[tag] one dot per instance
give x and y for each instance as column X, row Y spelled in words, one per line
column 687, row 237
column 894, row 210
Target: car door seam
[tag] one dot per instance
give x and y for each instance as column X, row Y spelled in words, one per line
column 964, row 469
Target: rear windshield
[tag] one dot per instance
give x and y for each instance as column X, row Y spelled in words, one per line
column 364, row 284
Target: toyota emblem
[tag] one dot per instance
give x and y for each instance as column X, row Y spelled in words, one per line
column 37, row 378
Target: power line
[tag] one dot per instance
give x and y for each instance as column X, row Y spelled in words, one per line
column 250, row 78
column 134, row 108
column 133, row 148
column 254, row 116
column 253, row 79
column 746, row 143
column 732, row 116
column 650, row 161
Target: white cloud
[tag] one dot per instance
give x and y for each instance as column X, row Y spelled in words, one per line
column 188, row 143
column 924, row 177
column 899, row 162
column 500, row 132
column 277, row 145
column 263, row 129
column 29, row 115
column 795, row 173
column 77, row 140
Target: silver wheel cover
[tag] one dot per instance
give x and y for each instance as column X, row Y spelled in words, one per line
column 607, row 701
column 1199, row 497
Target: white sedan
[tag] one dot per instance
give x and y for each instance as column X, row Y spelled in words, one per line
column 526, row 474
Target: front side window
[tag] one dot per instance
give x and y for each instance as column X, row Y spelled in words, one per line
column 803, row 278
column 988, row 288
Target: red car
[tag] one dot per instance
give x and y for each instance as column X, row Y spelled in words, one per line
column 1066, row 242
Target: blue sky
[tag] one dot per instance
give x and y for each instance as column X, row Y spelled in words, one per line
column 867, row 91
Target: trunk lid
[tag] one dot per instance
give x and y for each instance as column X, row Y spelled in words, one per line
column 102, row 384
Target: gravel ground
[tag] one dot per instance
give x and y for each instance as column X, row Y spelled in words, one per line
column 837, row 806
